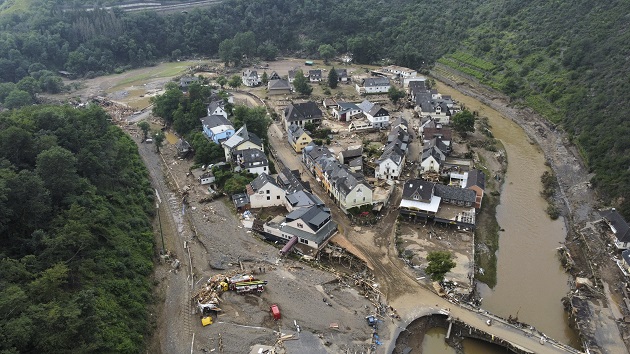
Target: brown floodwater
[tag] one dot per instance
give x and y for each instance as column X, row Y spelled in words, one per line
column 433, row 343
column 530, row 279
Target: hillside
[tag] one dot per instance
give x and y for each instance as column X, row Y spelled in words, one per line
column 565, row 59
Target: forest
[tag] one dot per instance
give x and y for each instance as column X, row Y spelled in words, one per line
column 567, row 60
column 76, row 243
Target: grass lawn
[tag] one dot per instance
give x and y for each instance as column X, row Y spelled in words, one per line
column 163, row 70
column 11, row 6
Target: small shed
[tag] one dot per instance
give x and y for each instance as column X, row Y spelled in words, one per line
column 308, row 63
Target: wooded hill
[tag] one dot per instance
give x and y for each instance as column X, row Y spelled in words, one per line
column 76, row 244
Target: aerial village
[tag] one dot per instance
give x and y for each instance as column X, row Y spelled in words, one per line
column 378, row 162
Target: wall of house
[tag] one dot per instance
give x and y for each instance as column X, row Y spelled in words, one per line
column 389, row 170
column 429, row 164
column 376, row 89
column 219, row 136
column 301, row 225
column 301, row 142
column 258, row 170
column 267, row 196
column 279, row 92
column 356, row 199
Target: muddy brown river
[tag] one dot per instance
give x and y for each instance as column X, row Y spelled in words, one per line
column 530, row 278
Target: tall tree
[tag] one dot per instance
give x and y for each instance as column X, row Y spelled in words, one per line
column 145, row 127
column 301, row 84
column 395, row 94
column 333, row 78
column 158, row 139
column 235, row 81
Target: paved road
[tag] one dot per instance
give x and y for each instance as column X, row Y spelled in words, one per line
column 411, row 299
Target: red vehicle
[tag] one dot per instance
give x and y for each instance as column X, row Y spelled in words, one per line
column 275, row 312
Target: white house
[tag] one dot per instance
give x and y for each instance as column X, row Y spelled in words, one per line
column 391, row 162
column 215, row 108
column 618, row 226
column 374, row 85
column 253, row 160
column 315, row 75
column 344, row 111
column 375, row 114
column 250, row 78
column 264, row 192
column 431, row 160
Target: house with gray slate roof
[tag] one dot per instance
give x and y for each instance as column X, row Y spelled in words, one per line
column 391, row 163
column 241, row 140
column 253, row 160
column 429, row 201
column 375, row 114
column 309, row 229
column 618, row 226
column 264, row 192
column 374, row 85
column 302, row 113
column 301, row 199
column 431, row 160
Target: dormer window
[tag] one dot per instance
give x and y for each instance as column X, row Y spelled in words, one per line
column 300, row 225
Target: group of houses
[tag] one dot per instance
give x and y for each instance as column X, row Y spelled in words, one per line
column 241, row 147
column 308, row 224
column 277, row 85
column 364, row 115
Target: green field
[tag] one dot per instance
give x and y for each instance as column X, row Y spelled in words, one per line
column 163, row 70
column 11, row 6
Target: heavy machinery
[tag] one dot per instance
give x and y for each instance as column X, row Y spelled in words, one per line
column 256, row 286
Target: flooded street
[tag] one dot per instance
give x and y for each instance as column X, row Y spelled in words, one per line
column 530, row 279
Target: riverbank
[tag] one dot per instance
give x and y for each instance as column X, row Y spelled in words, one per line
column 578, row 201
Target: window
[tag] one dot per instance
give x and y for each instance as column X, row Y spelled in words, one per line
column 302, row 240
column 277, row 197
column 268, row 192
column 300, row 225
column 268, row 198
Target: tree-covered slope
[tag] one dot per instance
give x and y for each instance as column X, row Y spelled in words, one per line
column 567, row 60
column 75, row 236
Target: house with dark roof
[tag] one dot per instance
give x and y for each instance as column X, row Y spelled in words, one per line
column 353, row 157
column 290, row 181
column 264, row 192
column 186, row 81
column 342, row 75
column 618, row 226
column 183, row 148
column 216, row 108
column 278, row 87
column 315, row 75
column 390, row 164
column 241, row 201
column 375, row 114
column 373, row 85
column 305, row 229
column 301, row 199
column 292, row 74
column 431, row 160
column 476, row 181
column 274, row 76
column 344, row 111
column 241, row 140
column 302, row 113
column 217, row 128
column 253, row 160
column 401, row 123
column 298, row 138
column 429, row 201
column 439, row 131
column 250, row 78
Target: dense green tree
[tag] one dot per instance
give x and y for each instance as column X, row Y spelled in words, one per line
column 256, row 119
column 18, row 98
column 327, row 52
column 57, row 168
column 206, row 151
column 265, row 78
column 333, row 78
column 464, row 122
column 235, row 81
column 395, row 94
column 158, row 139
column 222, row 81
column 301, row 84
column 165, row 105
column 440, row 263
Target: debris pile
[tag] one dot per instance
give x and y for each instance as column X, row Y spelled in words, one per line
column 208, row 297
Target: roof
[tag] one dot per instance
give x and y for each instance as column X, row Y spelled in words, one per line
column 301, row 111
column 393, row 152
column 278, row 85
column 341, row 73
column 419, row 188
column 315, row 216
column 182, row 145
column 626, row 256
column 444, row 133
column 352, row 153
column 476, row 178
column 437, row 143
column 431, row 205
column 365, row 106
column 455, row 193
column 187, row 80
column 214, row 105
column 214, row 121
column 251, row 156
column 260, row 181
column 250, row 73
column 240, row 199
column 242, row 135
column 290, row 180
column 417, row 86
column 347, row 106
column 437, row 154
column 303, row 198
column 295, row 132
column 377, row 110
column 400, row 121
column 376, row 81
column 619, row 226
column 315, row 73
